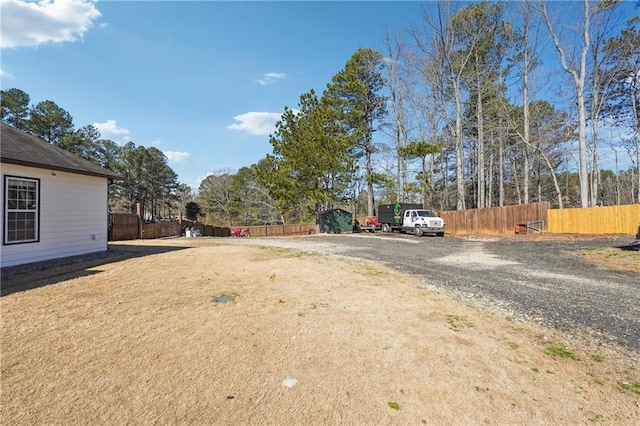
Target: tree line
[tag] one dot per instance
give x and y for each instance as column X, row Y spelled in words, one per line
column 457, row 111
column 147, row 180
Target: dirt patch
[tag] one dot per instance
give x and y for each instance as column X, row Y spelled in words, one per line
column 306, row 339
column 474, row 254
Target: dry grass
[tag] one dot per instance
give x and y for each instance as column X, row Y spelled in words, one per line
column 614, row 258
column 140, row 341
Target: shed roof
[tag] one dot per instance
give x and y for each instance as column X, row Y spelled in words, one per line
column 20, row 148
column 336, row 210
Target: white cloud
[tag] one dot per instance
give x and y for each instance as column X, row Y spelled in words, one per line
column 155, row 142
column 4, row 74
column 28, row 23
column 196, row 185
column 200, row 178
column 177, row 156
column 270, row 77
column 110, row 130
column 256, row 123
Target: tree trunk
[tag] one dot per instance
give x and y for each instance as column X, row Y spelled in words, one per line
column 489, row 191
column 460, row 192
column 369, row 174
column 582, row 147
column 480, row 150
column 527, row 128
column 501, row 165
column 516, row 181
column 579, row 77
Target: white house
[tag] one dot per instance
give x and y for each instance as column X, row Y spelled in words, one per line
column 54, row 203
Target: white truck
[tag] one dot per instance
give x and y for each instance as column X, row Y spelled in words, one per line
column 412, row 218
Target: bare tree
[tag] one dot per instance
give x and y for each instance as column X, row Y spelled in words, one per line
column 601, row 83
column 577, row 67
column 441, row 47
column 217, row 197
column 622, row 107
column 395, row 83
column 526, row 63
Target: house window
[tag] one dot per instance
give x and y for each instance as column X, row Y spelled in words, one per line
column 21, row 209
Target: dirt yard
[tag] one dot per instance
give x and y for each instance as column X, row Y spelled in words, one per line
column 203, row 332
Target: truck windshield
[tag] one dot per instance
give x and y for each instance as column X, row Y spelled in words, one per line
column 426, row 213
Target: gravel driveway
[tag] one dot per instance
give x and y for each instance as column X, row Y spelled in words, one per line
column 544, row 281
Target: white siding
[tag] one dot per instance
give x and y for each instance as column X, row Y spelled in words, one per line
column 73, row 216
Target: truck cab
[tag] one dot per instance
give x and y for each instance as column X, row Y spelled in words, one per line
column 421, row 222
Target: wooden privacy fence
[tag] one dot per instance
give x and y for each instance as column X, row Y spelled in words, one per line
column 124, row 226
column 281, row 230
column 255, row 231
column 159, row 230
column 496, row 220
column 595, row 220
column 204, row 229
column 127, row 226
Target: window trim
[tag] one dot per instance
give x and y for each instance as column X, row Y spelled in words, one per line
column 5, row 207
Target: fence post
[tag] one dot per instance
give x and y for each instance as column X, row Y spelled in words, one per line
column 139, row 221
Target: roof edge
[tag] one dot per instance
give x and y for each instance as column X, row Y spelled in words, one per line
column 59, row 169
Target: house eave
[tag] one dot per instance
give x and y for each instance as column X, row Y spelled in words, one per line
column 58, row 168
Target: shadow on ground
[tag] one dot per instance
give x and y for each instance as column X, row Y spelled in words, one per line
column 41, row 274
column 635, row 246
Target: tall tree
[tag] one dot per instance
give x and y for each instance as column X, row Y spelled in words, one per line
column 160, row 181
column 577, row 69
column 623, row 105
column 422, row 150
column 354, row 94
column 218, row 199
column 15, row 107
column 147, row 179
column 525, row 61
column 600, row 84
column 576, row 66
column 184, row 195
column 83, row 142
column 130, row 168
column 237, row 198
column 395, row 83
column 107, row 154
column 547, row 132
column 449, row 61
column 310, row 163
column 50, row 122
column 254, row 205
column 193, row 211
column 481, row 31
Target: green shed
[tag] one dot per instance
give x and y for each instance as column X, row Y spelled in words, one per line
column 335, row 221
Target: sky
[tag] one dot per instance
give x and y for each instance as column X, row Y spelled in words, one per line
column 202, row 81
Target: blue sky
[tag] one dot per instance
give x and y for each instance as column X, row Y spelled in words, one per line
column 202, row 81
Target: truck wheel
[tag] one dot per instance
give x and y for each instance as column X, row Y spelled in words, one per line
column 440, row 234
column 386, row 227
column 417, row 231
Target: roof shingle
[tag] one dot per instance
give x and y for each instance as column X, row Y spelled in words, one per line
column 17, row 147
